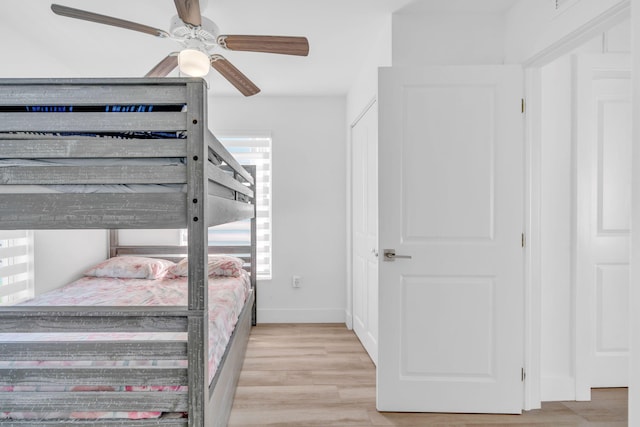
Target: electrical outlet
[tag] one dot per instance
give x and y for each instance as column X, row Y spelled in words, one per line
column 296, row 281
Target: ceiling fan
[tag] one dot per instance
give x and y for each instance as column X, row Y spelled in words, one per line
column 199, row 38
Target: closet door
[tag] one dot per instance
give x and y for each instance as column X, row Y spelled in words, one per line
column 451, row 199
column 603, row 148
column 364, row 166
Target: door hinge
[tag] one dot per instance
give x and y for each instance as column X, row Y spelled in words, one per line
column 523, row 240
column 523, row 106
column 523, row 375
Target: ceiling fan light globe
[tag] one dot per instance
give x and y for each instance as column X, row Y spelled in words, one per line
column 193, row 62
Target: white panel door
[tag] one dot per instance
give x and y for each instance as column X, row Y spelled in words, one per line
column 451, row 197
column 364, row 208
column 603, row 95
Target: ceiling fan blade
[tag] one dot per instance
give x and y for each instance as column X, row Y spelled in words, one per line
column 269, row 44
column 235, row 76
column 189, row 11
column 107, row 20
column 164, row 67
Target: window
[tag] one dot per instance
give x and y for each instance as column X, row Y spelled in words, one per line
column 250, row 149
column 16, row 260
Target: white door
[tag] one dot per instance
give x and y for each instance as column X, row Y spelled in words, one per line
column 451, row 197
column 364, row 166
column 603, row 148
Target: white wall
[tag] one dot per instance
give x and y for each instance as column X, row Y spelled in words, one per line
column 60, row 256
column 309, row 224
column 448, row 39
column 365, row 87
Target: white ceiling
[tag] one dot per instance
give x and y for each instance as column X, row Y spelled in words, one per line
column 42, row 44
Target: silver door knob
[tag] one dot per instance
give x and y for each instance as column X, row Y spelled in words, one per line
column 390, row 255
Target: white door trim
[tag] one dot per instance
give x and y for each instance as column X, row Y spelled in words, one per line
column 532, row 224
column 533, row 90
column 580, row 35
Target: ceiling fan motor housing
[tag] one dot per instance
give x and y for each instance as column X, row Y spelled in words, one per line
column 191, row 36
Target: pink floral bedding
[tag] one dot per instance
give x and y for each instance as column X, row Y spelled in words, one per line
column 226, row 299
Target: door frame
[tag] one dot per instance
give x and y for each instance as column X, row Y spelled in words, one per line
column 533, row 174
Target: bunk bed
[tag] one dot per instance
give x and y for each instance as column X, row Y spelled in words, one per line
column 119, row 154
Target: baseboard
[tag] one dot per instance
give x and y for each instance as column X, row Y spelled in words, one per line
column 326, row 315
column 348, row 320
column 553, row 389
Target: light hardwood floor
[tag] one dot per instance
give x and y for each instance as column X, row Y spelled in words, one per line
column 319, row 375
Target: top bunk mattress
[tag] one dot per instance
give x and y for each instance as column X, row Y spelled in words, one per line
column 92, row 163
column 130, row 164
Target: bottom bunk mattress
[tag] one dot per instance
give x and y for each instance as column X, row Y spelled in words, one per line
column 227, row 296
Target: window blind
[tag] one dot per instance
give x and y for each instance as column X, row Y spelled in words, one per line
column 16, row 261
column 251, row 150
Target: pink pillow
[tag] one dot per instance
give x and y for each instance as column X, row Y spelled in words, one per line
column 131, row 267
column 219, row 265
